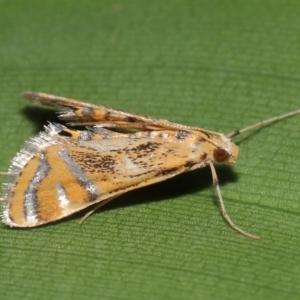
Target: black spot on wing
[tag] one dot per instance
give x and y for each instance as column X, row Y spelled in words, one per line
column 131, row 119
column 98, row 163
column 189, row 164
column 181, row 135
column 146, row 148
column 203, row 156
column 167, row 172
column 65, row 133
column 107, row 116
column 87, row 111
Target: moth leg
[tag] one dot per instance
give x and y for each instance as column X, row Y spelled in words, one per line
column 224, row 212
column 96, row 207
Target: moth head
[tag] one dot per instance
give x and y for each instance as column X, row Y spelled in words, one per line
column 226, row 152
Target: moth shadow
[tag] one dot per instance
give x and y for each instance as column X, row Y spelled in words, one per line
column 184, row 184
column 41, row 116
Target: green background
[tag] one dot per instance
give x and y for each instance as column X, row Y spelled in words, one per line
column 220, row 65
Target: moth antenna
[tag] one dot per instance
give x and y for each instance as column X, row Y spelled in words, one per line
column 263, row 123
column 224, row 212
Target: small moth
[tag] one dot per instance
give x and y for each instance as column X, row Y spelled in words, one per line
column 62, row 171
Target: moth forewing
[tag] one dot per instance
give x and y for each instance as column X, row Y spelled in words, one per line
column 81, row 113
column 63, row 171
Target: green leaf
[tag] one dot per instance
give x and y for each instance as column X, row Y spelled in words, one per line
column 219, row 65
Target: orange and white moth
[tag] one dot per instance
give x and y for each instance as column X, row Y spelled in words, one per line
column 62, row 171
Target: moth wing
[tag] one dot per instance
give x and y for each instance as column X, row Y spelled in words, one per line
column 57, row 174
column 81, row 113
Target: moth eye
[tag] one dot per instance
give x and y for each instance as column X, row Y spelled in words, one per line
column 220, row 155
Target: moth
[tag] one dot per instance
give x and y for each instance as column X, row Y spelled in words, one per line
column 62, row 171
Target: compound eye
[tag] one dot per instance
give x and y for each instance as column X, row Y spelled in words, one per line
column 220, row 155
